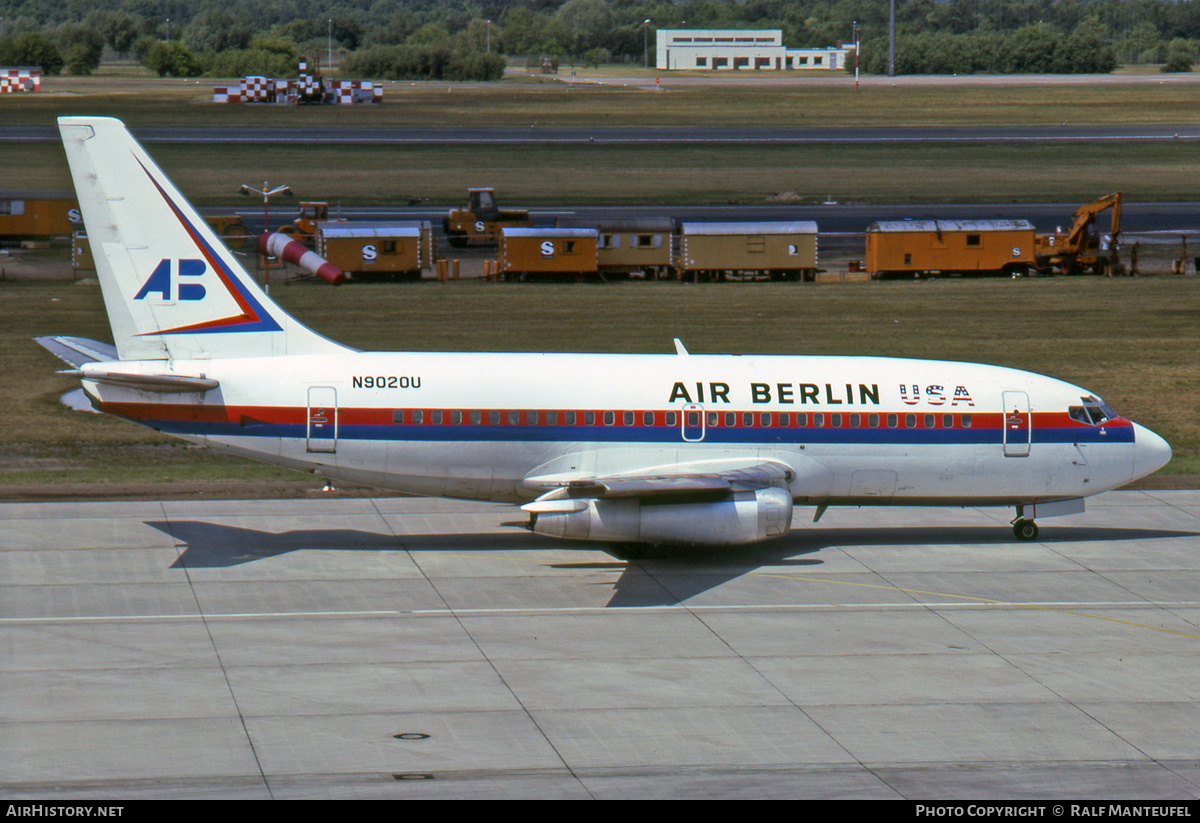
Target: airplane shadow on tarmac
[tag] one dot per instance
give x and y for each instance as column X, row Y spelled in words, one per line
column 649, row 575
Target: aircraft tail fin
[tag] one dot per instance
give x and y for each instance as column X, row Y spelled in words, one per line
column 171, row 287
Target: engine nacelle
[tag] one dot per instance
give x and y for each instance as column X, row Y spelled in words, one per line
column 746, row 516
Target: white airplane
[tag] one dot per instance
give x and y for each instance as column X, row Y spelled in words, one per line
column 642, row 448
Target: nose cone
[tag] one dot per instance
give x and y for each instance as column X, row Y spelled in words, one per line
column 1150, row 452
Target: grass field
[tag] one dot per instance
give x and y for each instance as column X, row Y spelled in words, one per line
column 537, row 175
column 724, row 101
column 575, row 175
column 1134, row 342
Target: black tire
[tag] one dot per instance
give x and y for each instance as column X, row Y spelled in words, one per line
column 1025, row 530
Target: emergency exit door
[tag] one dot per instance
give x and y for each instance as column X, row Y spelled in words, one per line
column 322, row 419
column 693, row 423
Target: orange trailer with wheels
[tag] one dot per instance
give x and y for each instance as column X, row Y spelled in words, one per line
column 911, row 248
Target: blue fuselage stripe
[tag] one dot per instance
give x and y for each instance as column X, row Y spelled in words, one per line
column 641, row 434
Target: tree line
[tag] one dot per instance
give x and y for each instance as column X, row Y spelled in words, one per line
column 465, row 39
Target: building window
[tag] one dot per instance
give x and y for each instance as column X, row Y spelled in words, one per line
column 701, row 62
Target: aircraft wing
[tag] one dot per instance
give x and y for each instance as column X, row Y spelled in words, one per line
column 682, row 483
column 76, row 351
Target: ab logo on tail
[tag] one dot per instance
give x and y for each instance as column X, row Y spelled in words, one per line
column 160, row 281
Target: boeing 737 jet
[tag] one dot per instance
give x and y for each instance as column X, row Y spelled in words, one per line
column 675, row 448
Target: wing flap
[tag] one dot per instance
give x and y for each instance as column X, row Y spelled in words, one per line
column 648, row 486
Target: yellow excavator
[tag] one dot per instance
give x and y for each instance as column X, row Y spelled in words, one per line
column 1080, row 249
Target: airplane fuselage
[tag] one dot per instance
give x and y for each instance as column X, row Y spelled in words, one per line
column 854, row 430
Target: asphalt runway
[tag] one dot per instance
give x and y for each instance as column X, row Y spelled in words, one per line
column 417, row 648
column 629, row 135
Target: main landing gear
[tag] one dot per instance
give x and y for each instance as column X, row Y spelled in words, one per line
column 1024, row 529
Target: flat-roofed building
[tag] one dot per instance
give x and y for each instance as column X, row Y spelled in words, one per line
column 740, row 49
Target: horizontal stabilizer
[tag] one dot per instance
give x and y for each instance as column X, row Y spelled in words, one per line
column 77, row 350
column 147, row 382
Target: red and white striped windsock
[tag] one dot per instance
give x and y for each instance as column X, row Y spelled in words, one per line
column 295, row 252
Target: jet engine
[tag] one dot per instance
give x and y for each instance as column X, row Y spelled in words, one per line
column 741, row 516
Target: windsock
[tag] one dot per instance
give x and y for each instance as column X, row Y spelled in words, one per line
column 295, row 252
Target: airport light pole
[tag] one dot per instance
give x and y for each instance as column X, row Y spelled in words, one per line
column 892, row 38
column 329, row 45
column 646, row 43
column 266, row 193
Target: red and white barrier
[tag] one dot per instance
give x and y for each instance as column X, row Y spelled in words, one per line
column 296, row 253
column 23, row 78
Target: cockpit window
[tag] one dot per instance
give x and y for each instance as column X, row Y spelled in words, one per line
column 1093, row 411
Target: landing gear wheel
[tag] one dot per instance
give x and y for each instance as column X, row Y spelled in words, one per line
column 1025, row 530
